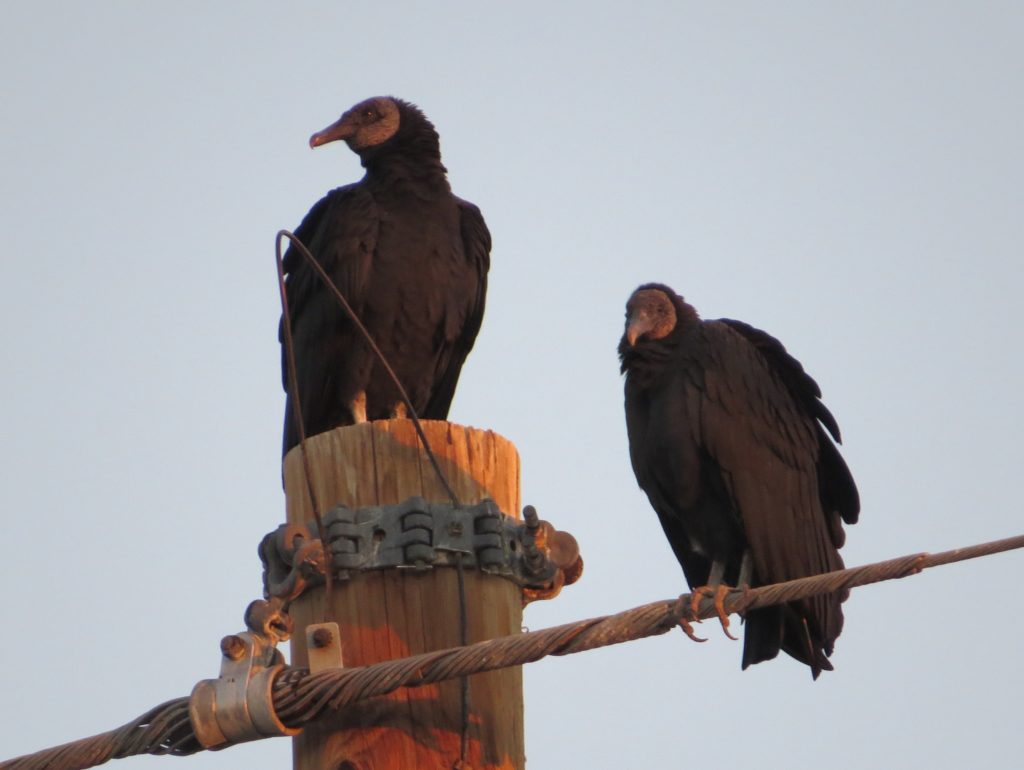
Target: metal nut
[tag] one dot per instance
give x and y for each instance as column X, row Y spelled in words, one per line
column 232, row 646
column 321, row 637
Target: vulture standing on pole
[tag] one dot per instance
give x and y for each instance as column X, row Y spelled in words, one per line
column 727, row 438
column 411, row 259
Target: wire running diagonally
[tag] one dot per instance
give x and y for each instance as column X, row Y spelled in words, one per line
column 332, row 690
column 301, row 697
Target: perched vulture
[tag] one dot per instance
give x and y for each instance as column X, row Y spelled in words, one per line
column 409, row 256
column 727, row 438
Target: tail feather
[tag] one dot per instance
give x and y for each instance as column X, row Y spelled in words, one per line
column 763, row 637
column 804, row 630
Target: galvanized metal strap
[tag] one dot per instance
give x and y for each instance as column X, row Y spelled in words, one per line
column 421, row 535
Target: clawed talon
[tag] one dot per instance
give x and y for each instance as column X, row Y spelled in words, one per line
column 688, row 630
column 698, row 594
column 723, row 616
column 720, row 592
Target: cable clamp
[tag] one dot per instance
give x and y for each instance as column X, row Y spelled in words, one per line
column 238, row 706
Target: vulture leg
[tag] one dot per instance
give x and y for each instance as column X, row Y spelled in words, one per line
column 398, row 412
column 719, row 589
column 746, row 567
column 746, row 572
column 358, row 408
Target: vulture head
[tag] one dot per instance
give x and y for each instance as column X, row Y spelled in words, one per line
column 653, row 312
column 369, row 124
column 384, row 126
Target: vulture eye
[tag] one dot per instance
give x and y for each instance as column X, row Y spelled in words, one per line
column 369, row 114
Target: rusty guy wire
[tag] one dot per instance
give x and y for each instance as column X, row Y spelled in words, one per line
column 300, row 697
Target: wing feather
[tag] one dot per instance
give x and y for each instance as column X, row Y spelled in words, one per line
column 838, row 490
column 766, row 446
column 341, row 232
column 476, row 245
column 766, row 443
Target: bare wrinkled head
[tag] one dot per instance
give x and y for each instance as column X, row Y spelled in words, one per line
column 650, row 314
column 370, row 123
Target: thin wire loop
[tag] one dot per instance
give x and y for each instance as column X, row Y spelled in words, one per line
column 293, row 386
column 411, row 411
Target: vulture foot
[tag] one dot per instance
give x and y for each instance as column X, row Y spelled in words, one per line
column 688, row 630
column 720, row 592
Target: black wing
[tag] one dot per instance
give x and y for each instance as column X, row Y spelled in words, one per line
column 476, row 246
column 341, row 231
column 837, row 488
column 759, row 426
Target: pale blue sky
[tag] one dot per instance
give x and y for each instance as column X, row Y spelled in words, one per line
column 846, row 176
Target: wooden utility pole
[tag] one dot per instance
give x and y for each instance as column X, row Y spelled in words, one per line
column 393, row 613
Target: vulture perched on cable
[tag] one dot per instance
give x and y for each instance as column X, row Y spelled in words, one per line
column 411, row 259
column 727, row 438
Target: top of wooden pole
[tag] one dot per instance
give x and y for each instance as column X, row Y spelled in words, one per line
column 383, row 462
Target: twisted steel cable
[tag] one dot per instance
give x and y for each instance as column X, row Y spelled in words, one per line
column 165, row 729
column 300, row 697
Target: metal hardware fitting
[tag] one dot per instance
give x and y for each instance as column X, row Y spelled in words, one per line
column 238, row 706
column 419, row 535
column 323, row 645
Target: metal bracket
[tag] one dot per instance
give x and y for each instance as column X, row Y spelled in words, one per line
column 292, row 559
column 420, row 535
column 549, row 554
column 238, row 706
column 414, row 534
column 323, row 645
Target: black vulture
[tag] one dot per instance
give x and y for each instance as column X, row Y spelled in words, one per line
column 409, row 256
column 727, row 438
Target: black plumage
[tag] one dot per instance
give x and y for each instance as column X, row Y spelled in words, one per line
column 408, row 255
column 727, row 438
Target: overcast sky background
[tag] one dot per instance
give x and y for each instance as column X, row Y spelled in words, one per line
column 845, row 176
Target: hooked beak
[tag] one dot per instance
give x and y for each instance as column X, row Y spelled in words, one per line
column 340, row 129
column 639, row 324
